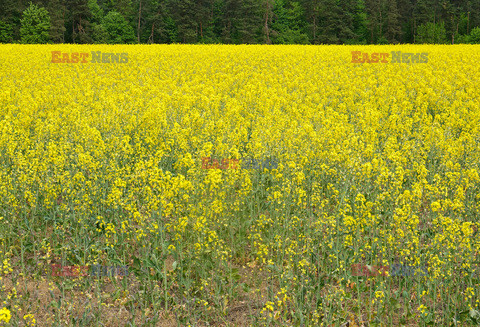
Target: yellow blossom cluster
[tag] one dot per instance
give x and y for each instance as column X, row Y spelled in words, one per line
column 377, row 164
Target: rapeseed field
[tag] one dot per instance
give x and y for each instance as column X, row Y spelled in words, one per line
column 103, row 163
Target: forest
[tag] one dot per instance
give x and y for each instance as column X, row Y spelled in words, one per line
column 240, row 21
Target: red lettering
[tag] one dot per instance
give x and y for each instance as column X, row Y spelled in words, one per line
column 67, row 271
column 56, row 270
column 205, row 161
column 75, row 58
column 366, row 58
column 383, row 270
column 356, row 269
column 56, row 57
column 356, row 57
column 84, row 56
column 66, row 58
column 84, row 270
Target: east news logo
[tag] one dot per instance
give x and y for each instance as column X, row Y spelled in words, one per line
column 398, row 57
column 59, row 57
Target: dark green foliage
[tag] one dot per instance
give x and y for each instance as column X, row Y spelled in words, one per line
column 242, row 21
column 99, row 33
column 186, row 20
column 35, row 25
column 11, row 13
column 247, row 21
column 57, row 10
column 96, row 11
column 432, row 33
column 360, row 22
column 474, row 36
column 288, row 26
column 117, row 29
column 79, row 28
column 6, row 35
column 393, row 29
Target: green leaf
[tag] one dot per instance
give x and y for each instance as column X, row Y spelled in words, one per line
column 149, row 263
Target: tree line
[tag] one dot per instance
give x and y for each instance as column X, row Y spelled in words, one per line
column 240, row 21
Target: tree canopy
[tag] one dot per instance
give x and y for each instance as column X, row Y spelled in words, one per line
column 240, row 21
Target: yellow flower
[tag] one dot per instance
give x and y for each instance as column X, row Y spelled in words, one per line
column 29, row 320
column 5, row 315
column 436, row 206
column 422, row 308
column 379, row 294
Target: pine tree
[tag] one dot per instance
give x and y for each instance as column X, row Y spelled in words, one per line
column 57, row 10
column 336, row 21
column 288, row 23
column 360, row 22
column 79, row 16
column 393, row 30
column 124, row 7
column 345, row 30
column 312, row 14
column 376, row 16
column 267, row 6
column 473, row 14
column 405, row 11
column 184, row 15
column 11, row 15
column 242, row 21
column 6, row 35
column 156, row 22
